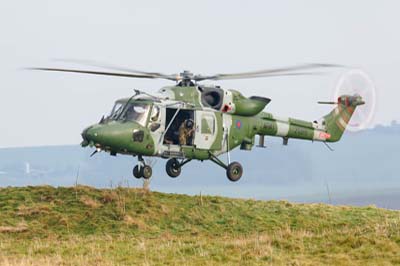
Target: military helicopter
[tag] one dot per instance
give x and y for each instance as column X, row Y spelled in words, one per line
column 191, row 121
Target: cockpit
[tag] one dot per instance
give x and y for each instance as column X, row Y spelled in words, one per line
column 136, row 112
column 133, row 111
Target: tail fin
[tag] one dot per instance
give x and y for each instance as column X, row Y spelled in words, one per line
column 337, row 120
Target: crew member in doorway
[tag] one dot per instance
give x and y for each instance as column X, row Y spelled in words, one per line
column 172, row 135
column 186, row 131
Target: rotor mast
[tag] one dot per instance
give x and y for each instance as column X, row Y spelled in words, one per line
column 185, row 79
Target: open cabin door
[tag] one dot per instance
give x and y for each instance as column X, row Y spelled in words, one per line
column 206, row 130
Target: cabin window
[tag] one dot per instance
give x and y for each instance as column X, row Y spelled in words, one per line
column 207, row 124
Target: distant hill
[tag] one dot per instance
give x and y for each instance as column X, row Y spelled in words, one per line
column 362, row 170
column 86, row 226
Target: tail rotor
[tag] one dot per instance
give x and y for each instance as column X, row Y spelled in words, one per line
column 357, row 82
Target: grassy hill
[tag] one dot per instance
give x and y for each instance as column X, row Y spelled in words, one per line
column 87, row 226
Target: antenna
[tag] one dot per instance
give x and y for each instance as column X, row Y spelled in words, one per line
column 323, row 102
column 327, row 189
column 329, row 147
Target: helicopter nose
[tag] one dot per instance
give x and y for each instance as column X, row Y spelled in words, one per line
column 90, row 136
column 103, row 136
column 84, row 133
column 118, row 136
column 85, row 137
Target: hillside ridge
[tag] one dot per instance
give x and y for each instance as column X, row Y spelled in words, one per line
column 84, row 225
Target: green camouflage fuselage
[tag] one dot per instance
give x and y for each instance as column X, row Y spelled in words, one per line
column 221, row 124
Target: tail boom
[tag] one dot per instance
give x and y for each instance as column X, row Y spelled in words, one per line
column 330, row 129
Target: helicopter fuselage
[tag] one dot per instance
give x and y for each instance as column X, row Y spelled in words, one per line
column 223, row 120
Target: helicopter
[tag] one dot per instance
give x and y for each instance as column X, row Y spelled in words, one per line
column 191, row 121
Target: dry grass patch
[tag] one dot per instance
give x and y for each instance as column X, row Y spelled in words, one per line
column 32, row 210
column 108, row 196
column 129, row 220
column 90, row 202
column 21, row 227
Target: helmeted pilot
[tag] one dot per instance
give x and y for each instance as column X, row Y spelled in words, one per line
column 186, row 131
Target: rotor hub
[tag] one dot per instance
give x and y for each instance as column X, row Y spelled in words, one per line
column 186, row 78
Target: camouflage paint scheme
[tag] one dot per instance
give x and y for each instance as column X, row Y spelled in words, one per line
column 235, row 124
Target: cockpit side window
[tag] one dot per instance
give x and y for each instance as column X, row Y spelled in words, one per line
column 136, row 112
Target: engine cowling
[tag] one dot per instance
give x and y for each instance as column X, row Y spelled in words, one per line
column 240, row 105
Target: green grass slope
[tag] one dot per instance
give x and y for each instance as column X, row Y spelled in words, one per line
column 87, row 226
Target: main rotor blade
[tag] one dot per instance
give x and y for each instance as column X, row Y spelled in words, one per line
column 298, row 70
column 118, row 68
column 283, row 71
column 127, row 75
column 200, row 78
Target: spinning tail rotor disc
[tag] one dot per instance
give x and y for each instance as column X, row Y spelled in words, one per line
column 358, row 82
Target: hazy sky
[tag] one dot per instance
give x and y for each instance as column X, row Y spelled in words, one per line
column 169, row 36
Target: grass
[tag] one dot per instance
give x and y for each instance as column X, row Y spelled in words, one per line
column 86, row 226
